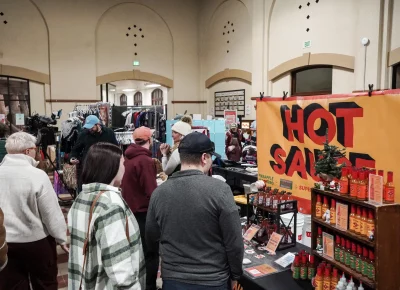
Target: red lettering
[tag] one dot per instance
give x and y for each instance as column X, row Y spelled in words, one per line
column 280, row 166
column 298, row 164
column 324, row 115
column 295, row 125
column 348, row 115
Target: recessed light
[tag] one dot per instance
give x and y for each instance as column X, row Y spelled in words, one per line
column 128, row 90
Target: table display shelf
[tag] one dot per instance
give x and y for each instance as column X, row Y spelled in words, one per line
column 383, row 243
column 275, row 221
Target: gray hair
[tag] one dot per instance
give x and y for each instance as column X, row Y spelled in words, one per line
column 17, row 143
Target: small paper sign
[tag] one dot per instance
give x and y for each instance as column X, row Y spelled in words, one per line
column 261, row 270
column 273, row 242
column 251, row 232
column 285, row 260
column 2, row 118
column 342, row 216
column 19, row 119
column 375, row 189
column 328, row 245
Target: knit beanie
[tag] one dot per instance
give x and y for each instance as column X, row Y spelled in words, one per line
column 182, row 128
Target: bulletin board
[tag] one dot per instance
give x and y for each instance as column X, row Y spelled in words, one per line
column 230, row 100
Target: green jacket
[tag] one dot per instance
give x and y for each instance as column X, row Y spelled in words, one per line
column 3, row 151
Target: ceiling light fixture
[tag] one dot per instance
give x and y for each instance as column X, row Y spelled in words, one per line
column 128, row 90
column 152, row 85
column 112, row 90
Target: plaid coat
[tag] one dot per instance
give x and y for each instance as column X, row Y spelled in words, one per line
column 112, row 261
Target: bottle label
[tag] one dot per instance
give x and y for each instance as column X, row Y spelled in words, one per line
column 275, row 204
column 389, row 194
column 327, row 285
column 362, row 227
column 341, row 255
column 353, row 190
column 370, row 228
column 303, row 272
column 333, row 217
column 347, row 258
column 318, row 211
column 337, row 253
column 362, row 191
column 311, row 273
column 344, row 186
column 352, row 262
column 364, row 267
column 268, row 201
column 351, row 223
column 356, row 225
column 372, row 272
column 358, row 265
column 319, row 284
column 260, row 199
column 296, row 273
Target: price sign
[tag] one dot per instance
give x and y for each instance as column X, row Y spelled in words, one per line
column 273, row 242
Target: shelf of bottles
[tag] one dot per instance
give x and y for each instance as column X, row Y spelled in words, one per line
column 268, row 208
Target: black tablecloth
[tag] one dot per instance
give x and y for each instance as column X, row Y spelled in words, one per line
column 235, row 176
column 277, row 281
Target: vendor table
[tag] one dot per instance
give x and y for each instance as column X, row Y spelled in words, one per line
column 277, row 281
column 235, row 176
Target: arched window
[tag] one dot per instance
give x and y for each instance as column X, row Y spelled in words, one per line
column 137, row 99
column 396, row 76
column 157, row 97
column 309, row 81
column 123, row 100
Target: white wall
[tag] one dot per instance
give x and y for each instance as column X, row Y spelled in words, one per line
column 37, row 96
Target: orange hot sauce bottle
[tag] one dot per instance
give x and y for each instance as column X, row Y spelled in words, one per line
column 319, row 280
column 388, row 196
column 327, row 280
column 354, row 184
column 344, row 182
column 325, row 205
column 352, row 219
column 357, row 223
column 363, row 223
column 318, row 207
column 333, row 212
column 370, row 222
column 362, row 187
column 334, row 279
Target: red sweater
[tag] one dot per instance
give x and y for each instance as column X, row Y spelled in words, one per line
column 139, row 180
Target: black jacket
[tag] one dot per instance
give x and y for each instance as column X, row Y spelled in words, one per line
column 196, row 221
column 87, row 139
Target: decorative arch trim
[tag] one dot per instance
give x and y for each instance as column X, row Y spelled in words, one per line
column 24, row 73
column 308, row 59
column 229, row 74
column 394, row 56
column 135, row 75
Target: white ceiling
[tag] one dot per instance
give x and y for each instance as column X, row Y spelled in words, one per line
column 130, row 84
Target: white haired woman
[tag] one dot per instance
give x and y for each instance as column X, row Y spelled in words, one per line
column 32, row 217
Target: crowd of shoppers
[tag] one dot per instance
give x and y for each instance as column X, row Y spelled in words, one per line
column 121, row 223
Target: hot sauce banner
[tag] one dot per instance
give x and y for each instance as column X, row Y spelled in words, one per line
column 290, row 133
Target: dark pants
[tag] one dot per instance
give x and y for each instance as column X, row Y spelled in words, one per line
column 79, row 169
column 152, row 259
column 35, row 261
column 175, row 285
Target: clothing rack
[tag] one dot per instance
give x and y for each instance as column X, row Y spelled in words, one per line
column 124, row 138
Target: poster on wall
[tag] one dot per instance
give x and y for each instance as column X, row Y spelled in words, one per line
column 230, row 117
column 291, row 132
column 229, row 100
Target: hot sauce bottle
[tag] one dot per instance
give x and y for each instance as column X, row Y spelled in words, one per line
column 357, row 224
column 274, row 199
column 388, row 196
column 371, row 272
column 296, row 267
column 362, row 187
column 370, row 222
column 337, row 249
column 352, row 219
column 359, row 259
column 327, row 279
column 354, row 184
column 311, row 268
column 333, row 212
column 282, row 199
column 319, row 236
column 363, row 223
column 261, row 196
column 334, row 279
column 342, row 251
column 344, row 182
column 303, row 268
column 347, row 253
column 318, row 207
column 353, row 256
column 319, row 280
column 289, row 197
column 365, row 263
column 325, row 205
column 268, row 197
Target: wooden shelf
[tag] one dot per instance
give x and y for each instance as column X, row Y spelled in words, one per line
column 275, row 211
column 337, row 196
column 348, row 234
column 366, row 281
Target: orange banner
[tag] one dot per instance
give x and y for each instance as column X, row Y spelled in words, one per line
column 290, row 132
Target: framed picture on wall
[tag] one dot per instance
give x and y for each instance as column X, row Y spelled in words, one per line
column 229, row 100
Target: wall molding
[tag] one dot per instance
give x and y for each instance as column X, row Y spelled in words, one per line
column 229, row 74
column 308, row 59
column 135, row 75
column 394, row 56
column 189, row 102
column 24, row 73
